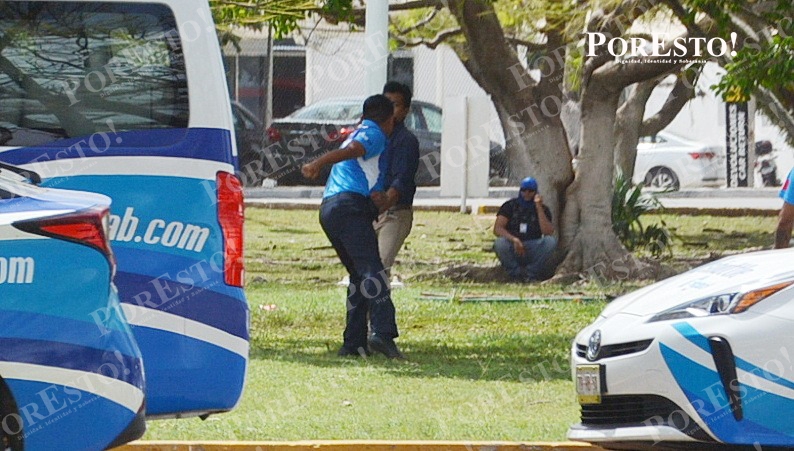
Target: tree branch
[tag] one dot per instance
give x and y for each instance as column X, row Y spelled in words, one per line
column 359, row 14
column 617, row 21
column 419, row 24
column 416, row 4
column 633, row 70
column 683, row 92
column 531, row 46
column 435, row 42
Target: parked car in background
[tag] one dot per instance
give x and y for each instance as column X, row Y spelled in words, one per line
column 697, row 361
column 322, row 126
column 71, row 373
column 669, row 162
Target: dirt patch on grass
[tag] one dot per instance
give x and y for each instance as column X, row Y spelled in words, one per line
column 466, row 272
column 653, row 270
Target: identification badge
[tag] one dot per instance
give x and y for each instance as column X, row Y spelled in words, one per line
column 522, row 228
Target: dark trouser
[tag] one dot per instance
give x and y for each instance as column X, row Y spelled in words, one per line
column 346, row 220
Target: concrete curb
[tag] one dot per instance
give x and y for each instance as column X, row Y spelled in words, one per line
column 316, row 206
column 356, row 445
column 492, row 209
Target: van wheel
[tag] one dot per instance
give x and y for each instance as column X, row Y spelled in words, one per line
column 10, row 422
column 663, row 179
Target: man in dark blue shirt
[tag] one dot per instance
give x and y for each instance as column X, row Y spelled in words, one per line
column 524, row 233
column 402, row 161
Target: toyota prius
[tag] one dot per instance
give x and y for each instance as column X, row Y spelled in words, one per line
column 702, row 360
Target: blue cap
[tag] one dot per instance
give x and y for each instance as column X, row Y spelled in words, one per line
column 529, row 183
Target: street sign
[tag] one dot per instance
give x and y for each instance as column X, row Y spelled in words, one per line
column 738, row 139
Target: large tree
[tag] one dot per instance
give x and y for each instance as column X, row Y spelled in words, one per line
column 529, row 95
column 591, row 244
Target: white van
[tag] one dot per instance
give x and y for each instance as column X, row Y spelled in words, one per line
column 129, row 99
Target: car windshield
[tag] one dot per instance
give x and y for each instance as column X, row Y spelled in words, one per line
column 339, row 110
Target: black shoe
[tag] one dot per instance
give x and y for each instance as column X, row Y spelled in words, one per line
column 385, row 346
column 344, row 351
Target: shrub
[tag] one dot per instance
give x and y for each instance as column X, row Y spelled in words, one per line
column 629, row 203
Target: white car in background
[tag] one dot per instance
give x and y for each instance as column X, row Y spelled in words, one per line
column 669, row 162
column 702, row 360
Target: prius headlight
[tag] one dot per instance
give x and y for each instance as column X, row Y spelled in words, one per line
column 721, row 304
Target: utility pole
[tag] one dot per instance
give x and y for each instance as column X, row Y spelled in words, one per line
column 377, row 37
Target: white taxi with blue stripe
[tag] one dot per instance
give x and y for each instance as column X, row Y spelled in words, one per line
column 704, row 359
column 71, row 373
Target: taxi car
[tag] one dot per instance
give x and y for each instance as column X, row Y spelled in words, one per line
column 701, row 360
column 71, row 373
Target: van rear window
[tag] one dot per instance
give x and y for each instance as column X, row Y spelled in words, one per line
column 71, row 69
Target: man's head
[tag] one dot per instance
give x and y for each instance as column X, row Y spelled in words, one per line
column 379, row 109
column 528, row 188
column 401, row 96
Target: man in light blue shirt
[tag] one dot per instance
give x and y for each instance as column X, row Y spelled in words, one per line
column 347, row 212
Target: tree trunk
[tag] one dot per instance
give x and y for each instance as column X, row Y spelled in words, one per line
column 627, row 126
column 529, row 110
column 593, row 248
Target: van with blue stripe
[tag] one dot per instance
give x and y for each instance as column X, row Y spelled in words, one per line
column 128, row 99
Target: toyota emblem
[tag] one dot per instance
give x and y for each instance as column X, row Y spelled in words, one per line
column 594, row 346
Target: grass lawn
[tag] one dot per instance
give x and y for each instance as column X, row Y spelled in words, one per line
column 476, row 370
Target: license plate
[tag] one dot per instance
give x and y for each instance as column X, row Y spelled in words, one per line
column 588, row 384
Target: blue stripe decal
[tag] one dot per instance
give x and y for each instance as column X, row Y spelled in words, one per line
column 691, row 334
column 26, row 204
column 198, row 143
column 65, row 418
column 762, row 373
column 226, row 313
column 192, row 383
column 114, row 365
column 191, row 273
column 762, row 421
column 37, row 326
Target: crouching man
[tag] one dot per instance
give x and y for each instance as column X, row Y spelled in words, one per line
column 525, row 234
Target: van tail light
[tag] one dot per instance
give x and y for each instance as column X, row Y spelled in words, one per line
column 704, row 155
column 87, row 227
column 273, row 134
column 230, row 217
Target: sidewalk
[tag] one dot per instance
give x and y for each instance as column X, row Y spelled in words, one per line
column 719, row 202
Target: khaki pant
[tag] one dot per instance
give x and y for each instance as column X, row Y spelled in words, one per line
column 392, row 227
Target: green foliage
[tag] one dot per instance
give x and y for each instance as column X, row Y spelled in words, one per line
column 629, row 203
column 769, row 66
column 282, row 15
column 765, row 63
column 421, row 25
